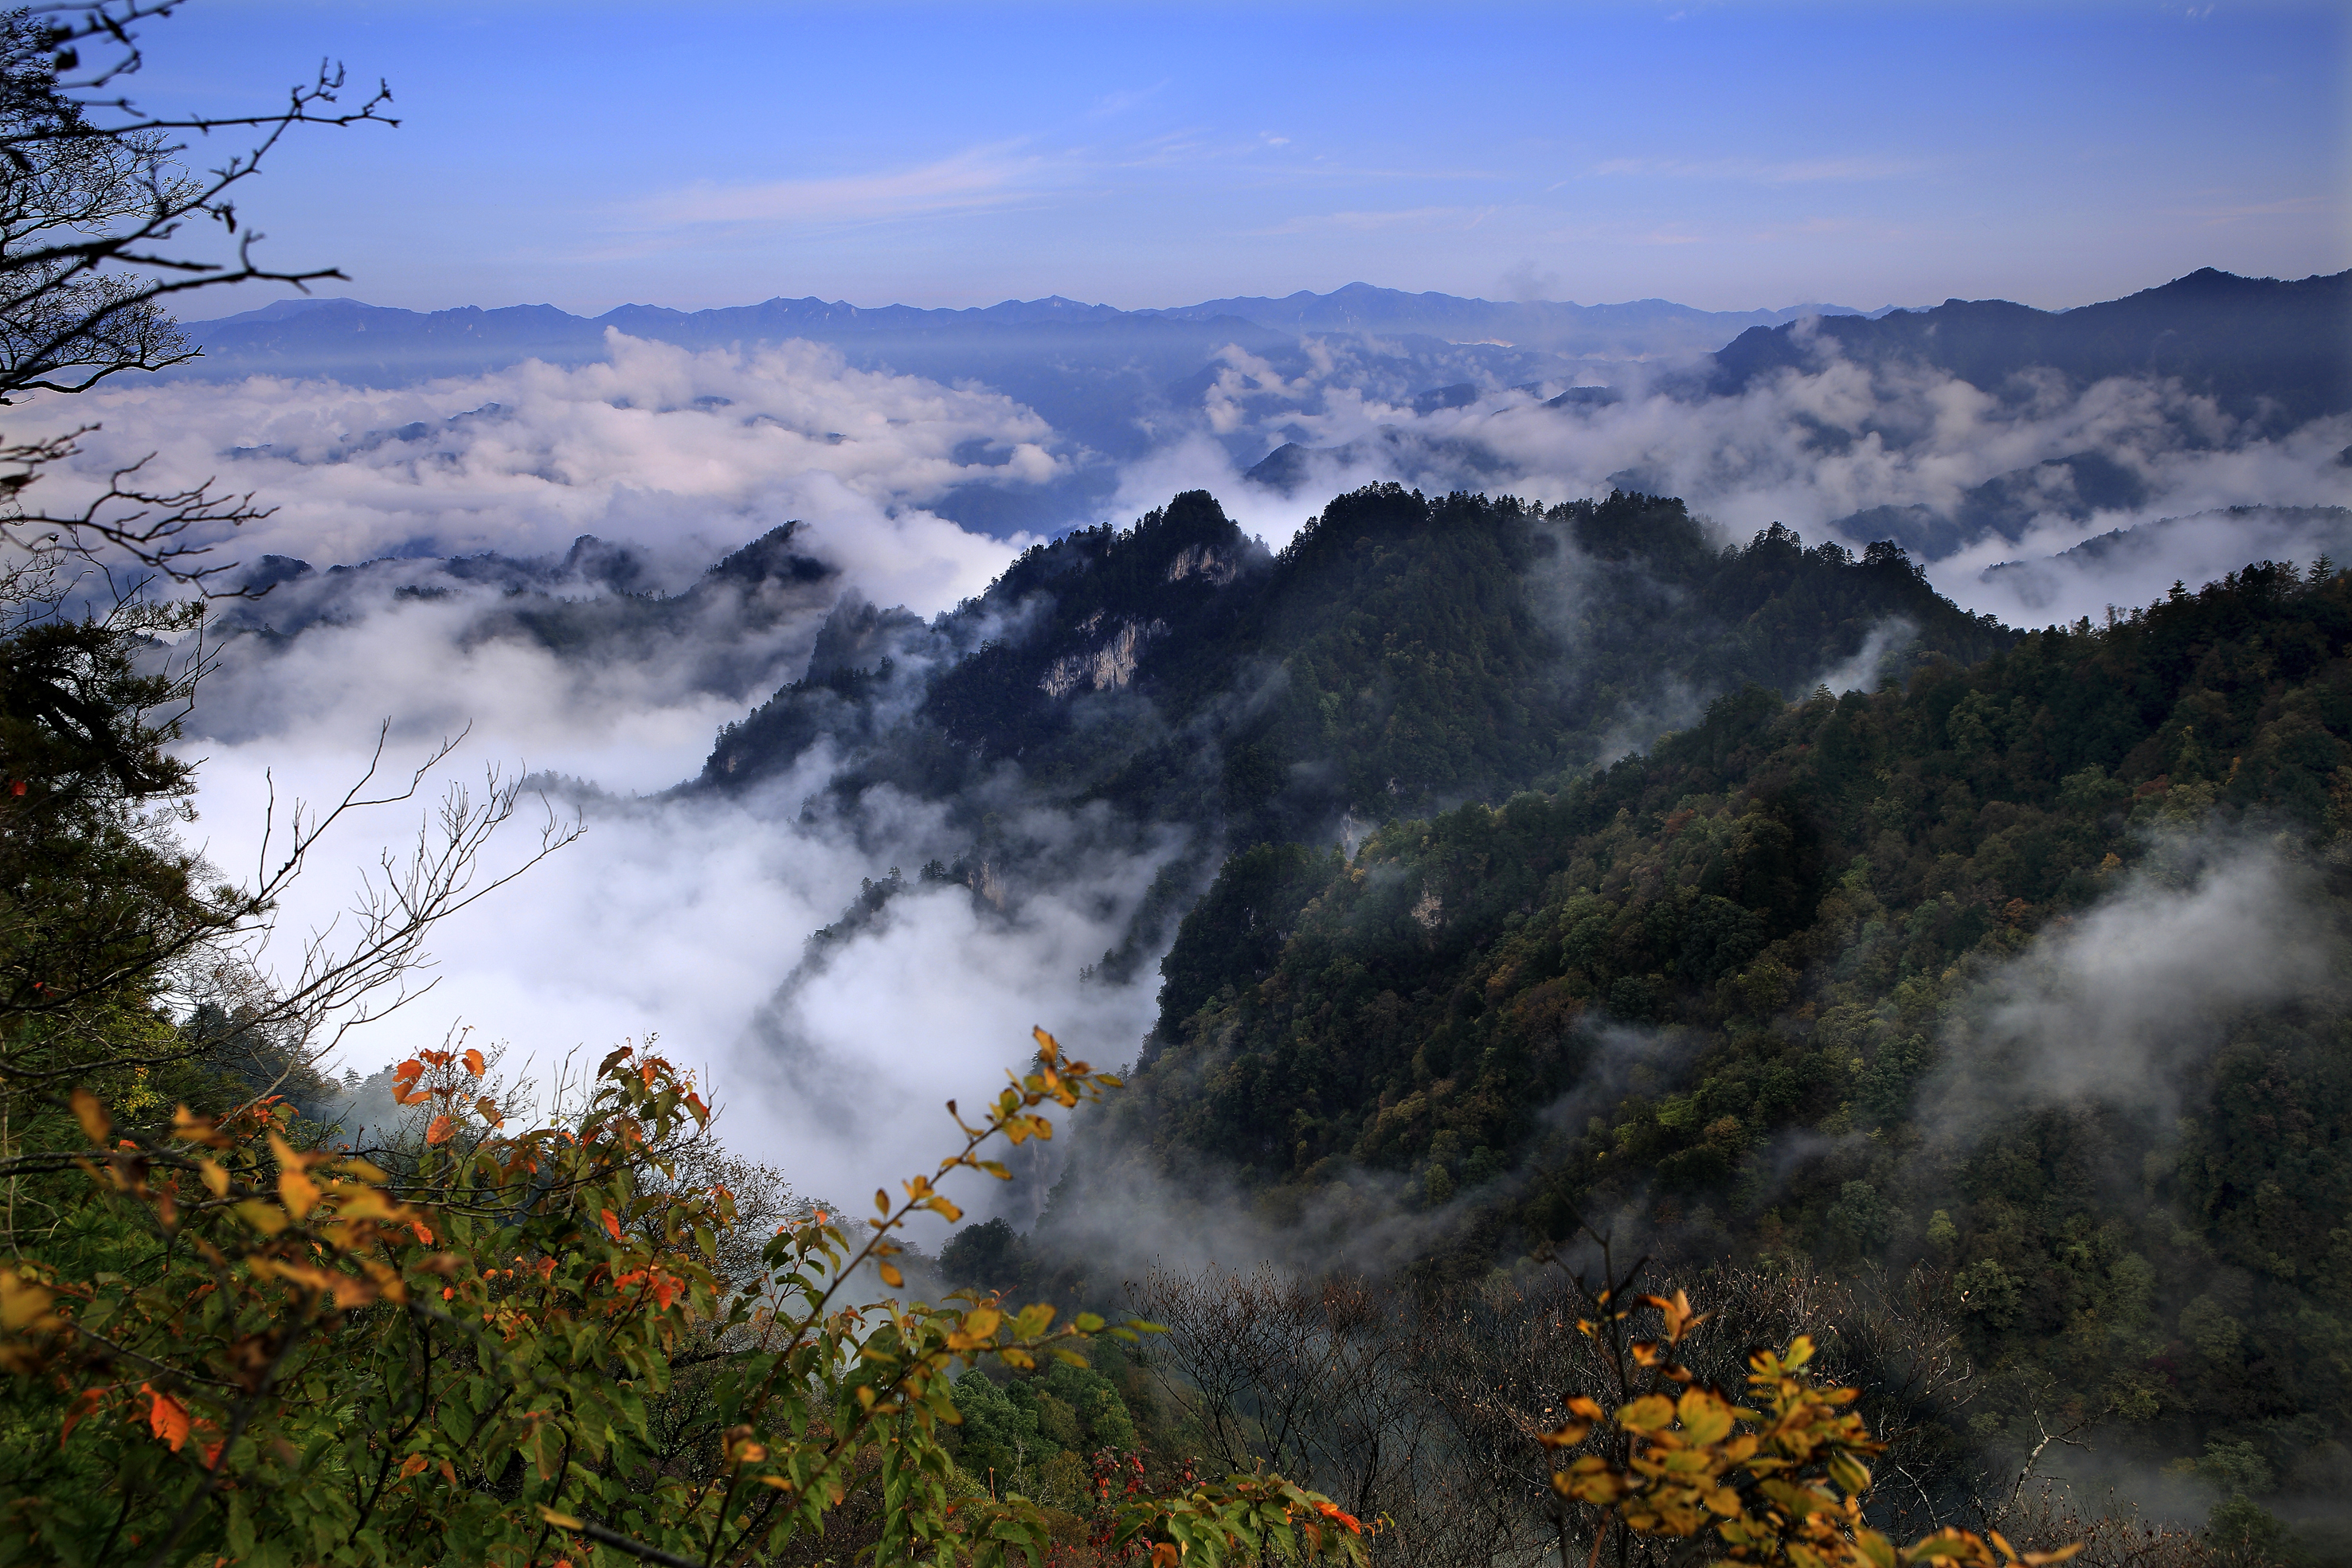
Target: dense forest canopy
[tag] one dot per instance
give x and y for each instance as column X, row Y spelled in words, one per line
column 2028, row 972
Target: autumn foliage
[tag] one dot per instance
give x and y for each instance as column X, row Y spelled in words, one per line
column 289, row 1354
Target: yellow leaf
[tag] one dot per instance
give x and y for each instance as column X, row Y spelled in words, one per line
column 980, row 1322
column 890, row 1276
column 1049, row 1047
column 298, row 1192
column 187, row 1125
column 1651, row 1413
column 1566, row 1437
column 364, row 1203
column 1850, row 1473
column 24, row 1303
column 1598, row 1486
column 215, row 1176
column 95, row 1122
column 266, row 1217
column 1705, row 1419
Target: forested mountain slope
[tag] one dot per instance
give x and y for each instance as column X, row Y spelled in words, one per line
column 2032, row 971
column 1404, row 652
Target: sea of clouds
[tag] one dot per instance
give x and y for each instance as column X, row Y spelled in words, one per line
column 684, row 915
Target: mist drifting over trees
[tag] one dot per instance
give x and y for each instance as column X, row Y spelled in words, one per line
column 1548, row 929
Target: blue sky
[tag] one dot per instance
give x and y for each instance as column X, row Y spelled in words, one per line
column 1730, row 156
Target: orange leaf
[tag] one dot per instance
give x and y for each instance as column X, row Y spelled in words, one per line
column 439, row 1133
column 166, row 1415
column 473, row 1061
column 412, row 1466
column 613, row 1224
column 403, row 1081
column 79, row 1408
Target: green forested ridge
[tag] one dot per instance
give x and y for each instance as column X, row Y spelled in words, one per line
column 1792, row 904
column 1401, row 653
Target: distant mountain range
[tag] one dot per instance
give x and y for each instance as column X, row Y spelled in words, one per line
column 1118, row 385
column 375, row 345
column 2278, row 353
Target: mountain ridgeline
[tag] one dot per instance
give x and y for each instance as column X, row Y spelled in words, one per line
column 1402, row 654
column 2271, row 352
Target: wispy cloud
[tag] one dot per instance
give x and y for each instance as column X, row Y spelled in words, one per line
column 1119, row 102
column 2289, row 206
column 1757, row 171
column 976, row 177
column 1415, row 220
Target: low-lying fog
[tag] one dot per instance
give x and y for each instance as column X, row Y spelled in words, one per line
column 685, row 917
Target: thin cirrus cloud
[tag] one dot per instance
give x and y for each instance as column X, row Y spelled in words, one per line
column 2289, row 206
column 969, row 181
column 1421, row 220
column 1756, row 171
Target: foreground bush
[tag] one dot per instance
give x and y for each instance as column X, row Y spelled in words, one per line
column 238, row 1349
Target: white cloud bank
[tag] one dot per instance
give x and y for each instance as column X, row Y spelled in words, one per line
column 683, row 916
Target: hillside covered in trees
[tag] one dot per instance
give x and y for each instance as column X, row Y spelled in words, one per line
column 2026, row 974
column 1400, row 655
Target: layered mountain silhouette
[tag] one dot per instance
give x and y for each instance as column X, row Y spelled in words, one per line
column 2271, row 352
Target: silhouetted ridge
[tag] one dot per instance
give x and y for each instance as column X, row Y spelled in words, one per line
column 2278, row 352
